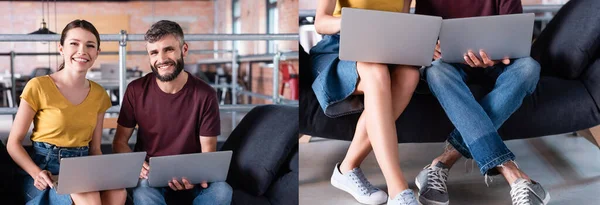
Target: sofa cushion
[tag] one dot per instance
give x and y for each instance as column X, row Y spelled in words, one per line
column 569, row 42
column 242, row 198
column 261, row 144
column 10, row 185
column 284, row 190
column 591, row 80
column 294, row 162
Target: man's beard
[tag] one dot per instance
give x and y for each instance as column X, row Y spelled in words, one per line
column 168, row 77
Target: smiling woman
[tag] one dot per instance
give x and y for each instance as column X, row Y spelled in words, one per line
column 76, row 47
column 51, row 102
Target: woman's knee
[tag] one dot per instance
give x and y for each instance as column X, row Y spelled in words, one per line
column 92, row 198
column 374, row 74
column 117, row 196
column 405, row 75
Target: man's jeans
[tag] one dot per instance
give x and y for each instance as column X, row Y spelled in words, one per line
column 217, row 193
column 476, row 122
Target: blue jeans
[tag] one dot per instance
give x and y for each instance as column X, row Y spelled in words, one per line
column 476, row 122
column 217, row 193
column 47, row 157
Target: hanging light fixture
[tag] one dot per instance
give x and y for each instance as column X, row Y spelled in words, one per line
column 43, row 29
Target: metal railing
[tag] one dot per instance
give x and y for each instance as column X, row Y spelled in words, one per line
column 272, row 57
column 123, row 38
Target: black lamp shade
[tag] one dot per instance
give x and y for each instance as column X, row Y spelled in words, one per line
column 43, row 30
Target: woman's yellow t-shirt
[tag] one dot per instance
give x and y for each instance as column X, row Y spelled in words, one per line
column 380, row 5
column 57, row 121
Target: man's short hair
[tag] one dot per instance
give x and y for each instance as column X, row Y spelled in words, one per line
column 163, row 28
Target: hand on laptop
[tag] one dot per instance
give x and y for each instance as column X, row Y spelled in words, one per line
column 145, row 170
column 472, row 60
column 183, row 185
column 43, row 180
column 437, row 54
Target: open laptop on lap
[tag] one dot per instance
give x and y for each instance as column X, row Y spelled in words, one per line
column 196, row 168
column 100, row 172
column 388, row 37
column 499, row 36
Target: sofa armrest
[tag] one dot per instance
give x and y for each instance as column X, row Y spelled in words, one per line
column 261, row 144
column 570, row 41
column 591, row 80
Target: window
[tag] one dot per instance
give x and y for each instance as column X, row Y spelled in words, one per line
column 272, row 23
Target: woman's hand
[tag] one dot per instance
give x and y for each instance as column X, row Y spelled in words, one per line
column 43, row 180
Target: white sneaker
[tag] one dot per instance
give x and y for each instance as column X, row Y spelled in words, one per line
column 356, row 184
column 406, row 197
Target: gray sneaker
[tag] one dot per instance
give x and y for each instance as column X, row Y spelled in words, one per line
column 406, row 197
column 356, row 184
column 432, row 185
column 524, row 192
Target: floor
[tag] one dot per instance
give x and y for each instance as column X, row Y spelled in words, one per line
column 566, row 165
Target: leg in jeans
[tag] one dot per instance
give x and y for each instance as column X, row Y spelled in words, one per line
column 146, row 195
column 516, row 81
column 217, row 193
column 482, row 141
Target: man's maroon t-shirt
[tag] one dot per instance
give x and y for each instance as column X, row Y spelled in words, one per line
column 467, row 8
column 170, row 124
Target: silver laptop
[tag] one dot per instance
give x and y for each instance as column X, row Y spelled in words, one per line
column 499, row 36
column 101, row 172
column 388, row 37
column 209, row 167
column 109, row 71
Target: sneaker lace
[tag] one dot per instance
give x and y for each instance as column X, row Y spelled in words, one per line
column 437, row 178
column 520, row 193
column 363, row 184
column 405, row 198
column 408, row 199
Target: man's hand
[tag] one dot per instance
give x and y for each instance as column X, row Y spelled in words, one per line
column 472, row 60
column 145, row 170
column 437, row 54
column 183, row 185
column 43, row 180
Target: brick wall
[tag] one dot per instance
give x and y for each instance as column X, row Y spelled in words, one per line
column 23, row 17
column 253, row 20
column 288, row 23
column 194, row 16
